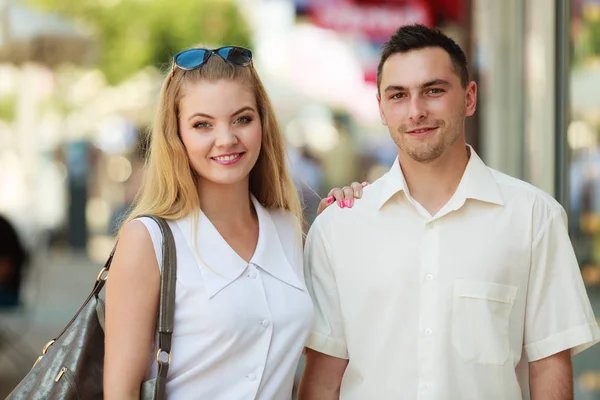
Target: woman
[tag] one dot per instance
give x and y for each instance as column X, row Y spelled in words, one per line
column 216, row 172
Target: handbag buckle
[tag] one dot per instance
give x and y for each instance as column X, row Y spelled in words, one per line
column 47, row 346
column 103, row 275
column 44, row 350
column 158, row 358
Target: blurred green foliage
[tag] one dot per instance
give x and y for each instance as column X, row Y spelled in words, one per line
column 133, row 34
column 8, row 107
column 587, row 43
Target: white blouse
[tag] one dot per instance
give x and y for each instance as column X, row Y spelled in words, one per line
column 239, row 327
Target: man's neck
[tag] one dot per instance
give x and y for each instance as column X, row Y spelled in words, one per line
column 433, row 184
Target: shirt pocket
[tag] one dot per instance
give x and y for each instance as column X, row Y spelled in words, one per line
column 480, row 321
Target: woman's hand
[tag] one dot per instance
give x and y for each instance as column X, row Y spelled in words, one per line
column 344, row 197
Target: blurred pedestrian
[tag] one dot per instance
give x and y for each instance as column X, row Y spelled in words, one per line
column 448, row 280
column 13, row 260
column 217, row 172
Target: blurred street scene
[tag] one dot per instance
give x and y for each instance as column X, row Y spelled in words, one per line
column 79, row 81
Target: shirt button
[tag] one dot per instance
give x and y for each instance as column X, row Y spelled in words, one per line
column 265, row 323
column 429, row 386
column 251, row 377
column 429, row 277
column 252, row 274
column 428, row 332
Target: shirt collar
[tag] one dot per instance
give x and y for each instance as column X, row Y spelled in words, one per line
column 477, row 183
column 270, row 255
column 220, row 265
column 392, row 182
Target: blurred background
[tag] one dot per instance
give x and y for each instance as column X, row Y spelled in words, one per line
column 79, row 80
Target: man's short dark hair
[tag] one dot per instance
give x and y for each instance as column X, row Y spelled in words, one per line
column 416, row 37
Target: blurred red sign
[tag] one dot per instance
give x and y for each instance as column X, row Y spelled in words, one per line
column 376, row 22
column 448, row 9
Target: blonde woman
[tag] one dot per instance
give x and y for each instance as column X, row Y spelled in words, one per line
column 217, row 173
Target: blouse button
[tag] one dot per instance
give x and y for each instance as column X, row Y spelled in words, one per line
column 251, row 377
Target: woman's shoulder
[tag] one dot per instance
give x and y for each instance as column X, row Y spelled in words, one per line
column 136, row 232
column 152, row 226
column 135, row 247
column 143, row 234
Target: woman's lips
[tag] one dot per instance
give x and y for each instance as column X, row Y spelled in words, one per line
column 228, row 159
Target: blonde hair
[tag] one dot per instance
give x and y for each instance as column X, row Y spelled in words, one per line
column 169, row 189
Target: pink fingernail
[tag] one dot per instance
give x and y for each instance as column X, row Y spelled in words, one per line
column 341, row 203
column 348, row 203
column 330, row 200
column 365, row 184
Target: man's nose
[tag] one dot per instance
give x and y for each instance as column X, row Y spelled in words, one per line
column 418, row 109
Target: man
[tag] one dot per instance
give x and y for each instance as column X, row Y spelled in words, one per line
column 448, row 280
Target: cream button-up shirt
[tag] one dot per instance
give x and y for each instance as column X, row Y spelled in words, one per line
column 239, row 327
column 452, row 306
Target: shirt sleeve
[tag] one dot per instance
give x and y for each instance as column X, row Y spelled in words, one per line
column 327, row 335
column 558, row 313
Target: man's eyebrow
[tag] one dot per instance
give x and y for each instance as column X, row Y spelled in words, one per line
column 394, row 88
column 435, row 82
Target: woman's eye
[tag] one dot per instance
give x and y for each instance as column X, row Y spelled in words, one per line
column 242, row 120
column 201, row 125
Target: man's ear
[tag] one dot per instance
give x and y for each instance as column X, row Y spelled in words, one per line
column 471, row 99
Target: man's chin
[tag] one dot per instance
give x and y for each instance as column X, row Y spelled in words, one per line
column 425, row 155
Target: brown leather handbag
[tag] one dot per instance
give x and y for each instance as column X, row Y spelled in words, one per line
column 71, row 365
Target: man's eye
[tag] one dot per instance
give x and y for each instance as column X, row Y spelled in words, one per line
column 436, row 91
column 397, row 96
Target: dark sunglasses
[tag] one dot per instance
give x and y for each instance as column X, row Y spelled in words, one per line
column 194, row 58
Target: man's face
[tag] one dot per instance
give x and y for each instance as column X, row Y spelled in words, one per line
column 423, row 103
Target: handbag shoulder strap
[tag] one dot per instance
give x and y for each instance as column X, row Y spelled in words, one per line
column 166, row 311
column 167, row 286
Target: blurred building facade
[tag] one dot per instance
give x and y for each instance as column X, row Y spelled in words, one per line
column 72, row 141
column 537, row 64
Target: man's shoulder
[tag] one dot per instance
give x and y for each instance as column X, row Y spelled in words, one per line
column 519, row 192
column 364, row 207
column 368, row 202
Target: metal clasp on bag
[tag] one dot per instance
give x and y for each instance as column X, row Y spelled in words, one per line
column 161, row 362
column 44, row 351
column 60, row 374
column 101, row 275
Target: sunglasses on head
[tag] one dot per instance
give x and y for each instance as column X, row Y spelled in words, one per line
column 193, row 58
